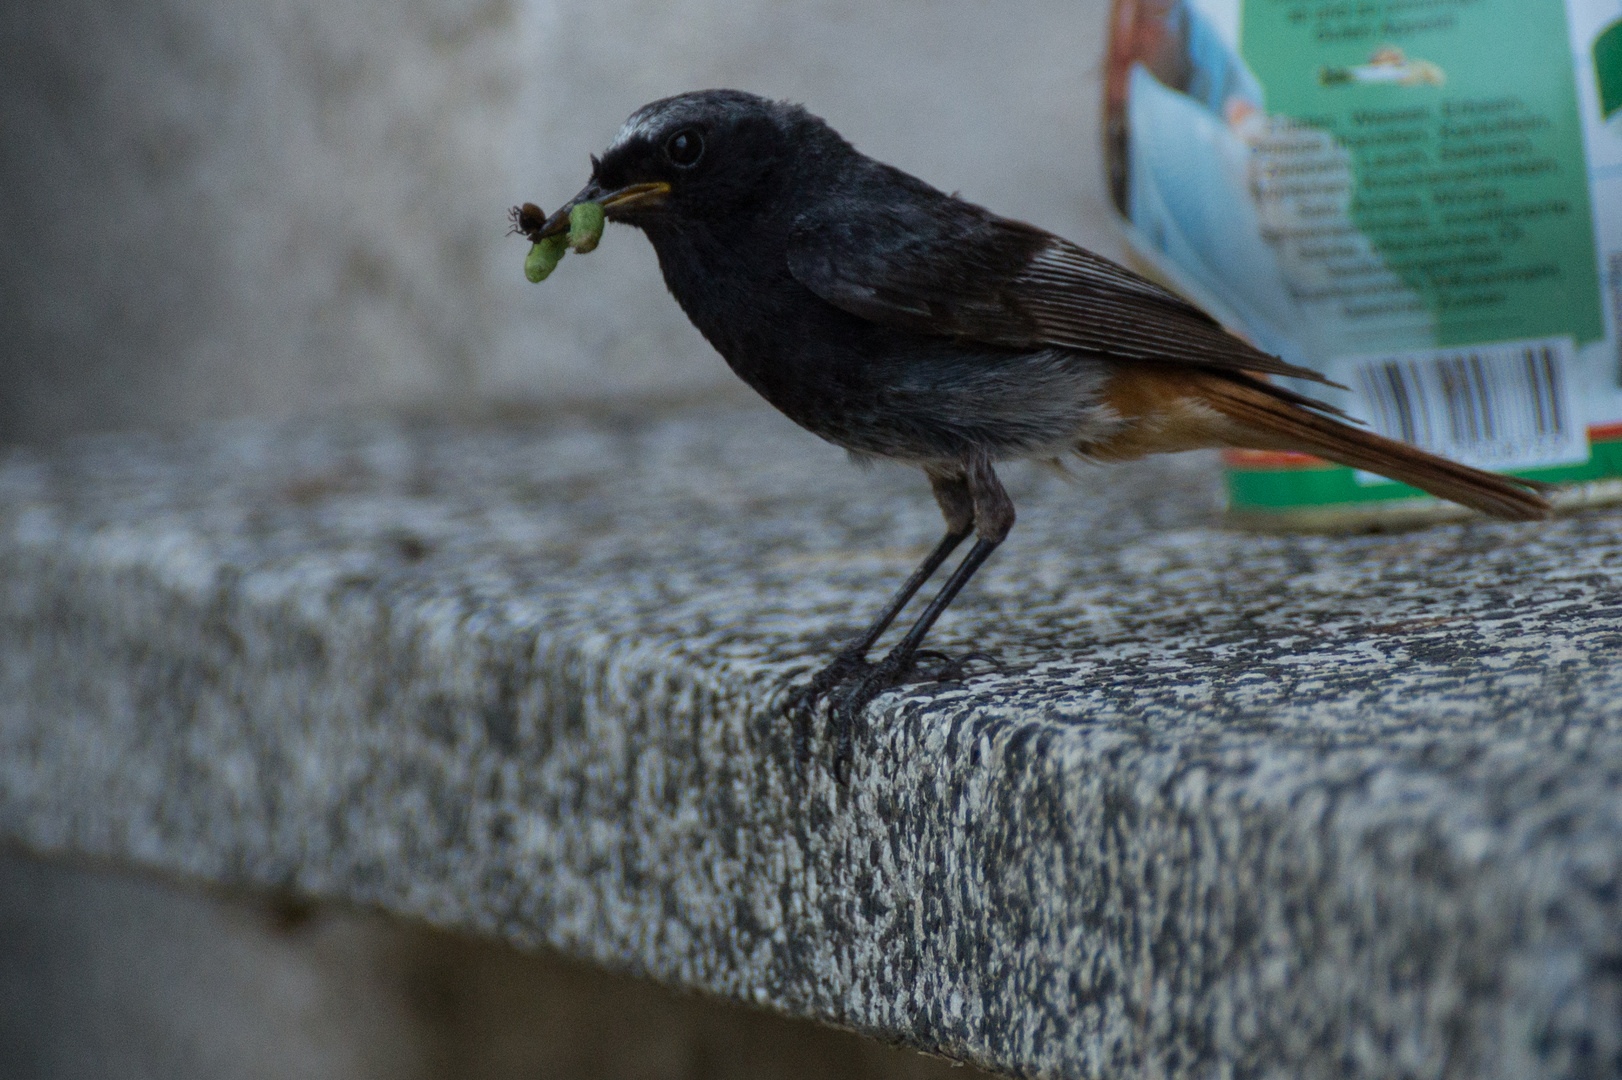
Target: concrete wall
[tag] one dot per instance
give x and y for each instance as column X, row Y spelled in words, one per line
column 214, row 208
column 107, row 976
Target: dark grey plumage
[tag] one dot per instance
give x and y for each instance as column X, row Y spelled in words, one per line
column 898, row 321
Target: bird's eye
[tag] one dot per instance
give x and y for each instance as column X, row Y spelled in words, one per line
column 685, row 148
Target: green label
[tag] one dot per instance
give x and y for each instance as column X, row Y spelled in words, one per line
column 1466, row 154
column 1608, row 68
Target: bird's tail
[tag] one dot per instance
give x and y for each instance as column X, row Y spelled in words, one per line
column 1269, row 417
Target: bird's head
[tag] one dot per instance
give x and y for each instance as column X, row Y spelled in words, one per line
column 708, row 155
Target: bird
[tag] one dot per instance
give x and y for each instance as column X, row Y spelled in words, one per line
column 900, row 322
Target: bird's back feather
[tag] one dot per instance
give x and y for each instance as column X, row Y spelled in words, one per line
column 917, row 259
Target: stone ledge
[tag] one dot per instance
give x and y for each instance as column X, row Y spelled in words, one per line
column 1239, row 806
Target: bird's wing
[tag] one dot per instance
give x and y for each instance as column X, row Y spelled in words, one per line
column 936, row 265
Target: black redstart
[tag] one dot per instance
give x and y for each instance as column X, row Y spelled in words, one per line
column 897, row 321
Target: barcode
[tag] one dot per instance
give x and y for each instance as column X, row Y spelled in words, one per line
column 1615, row 268
column 1503, row 406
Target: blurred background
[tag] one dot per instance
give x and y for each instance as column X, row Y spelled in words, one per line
column 215, row 208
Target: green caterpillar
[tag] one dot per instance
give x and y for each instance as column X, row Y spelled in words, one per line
column 585, row 231
column 543, row 258
column 585, row 226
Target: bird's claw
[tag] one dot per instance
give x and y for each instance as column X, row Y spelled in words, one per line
column 802, row 704
column 948, row 668
column 850, row 683
column 845, row 712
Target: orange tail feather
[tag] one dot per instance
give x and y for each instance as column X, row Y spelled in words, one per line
column 1268, row 419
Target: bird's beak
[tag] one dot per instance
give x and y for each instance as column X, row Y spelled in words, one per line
column 630, row 195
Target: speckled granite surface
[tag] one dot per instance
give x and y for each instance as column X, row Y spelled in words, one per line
column 1238, row 806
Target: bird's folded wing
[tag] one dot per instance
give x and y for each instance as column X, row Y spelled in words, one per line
column 940, row 266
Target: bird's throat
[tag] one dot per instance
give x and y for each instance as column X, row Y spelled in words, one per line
column 708, row 274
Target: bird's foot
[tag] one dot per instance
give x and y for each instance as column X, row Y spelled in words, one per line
column 851, row 682
column 845, row 720
column 845, row 715
column 947, row 668
column 801, row 709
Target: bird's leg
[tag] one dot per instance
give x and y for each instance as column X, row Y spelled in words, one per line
column 993, row 518
column 957, row 506
column 854, row 655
